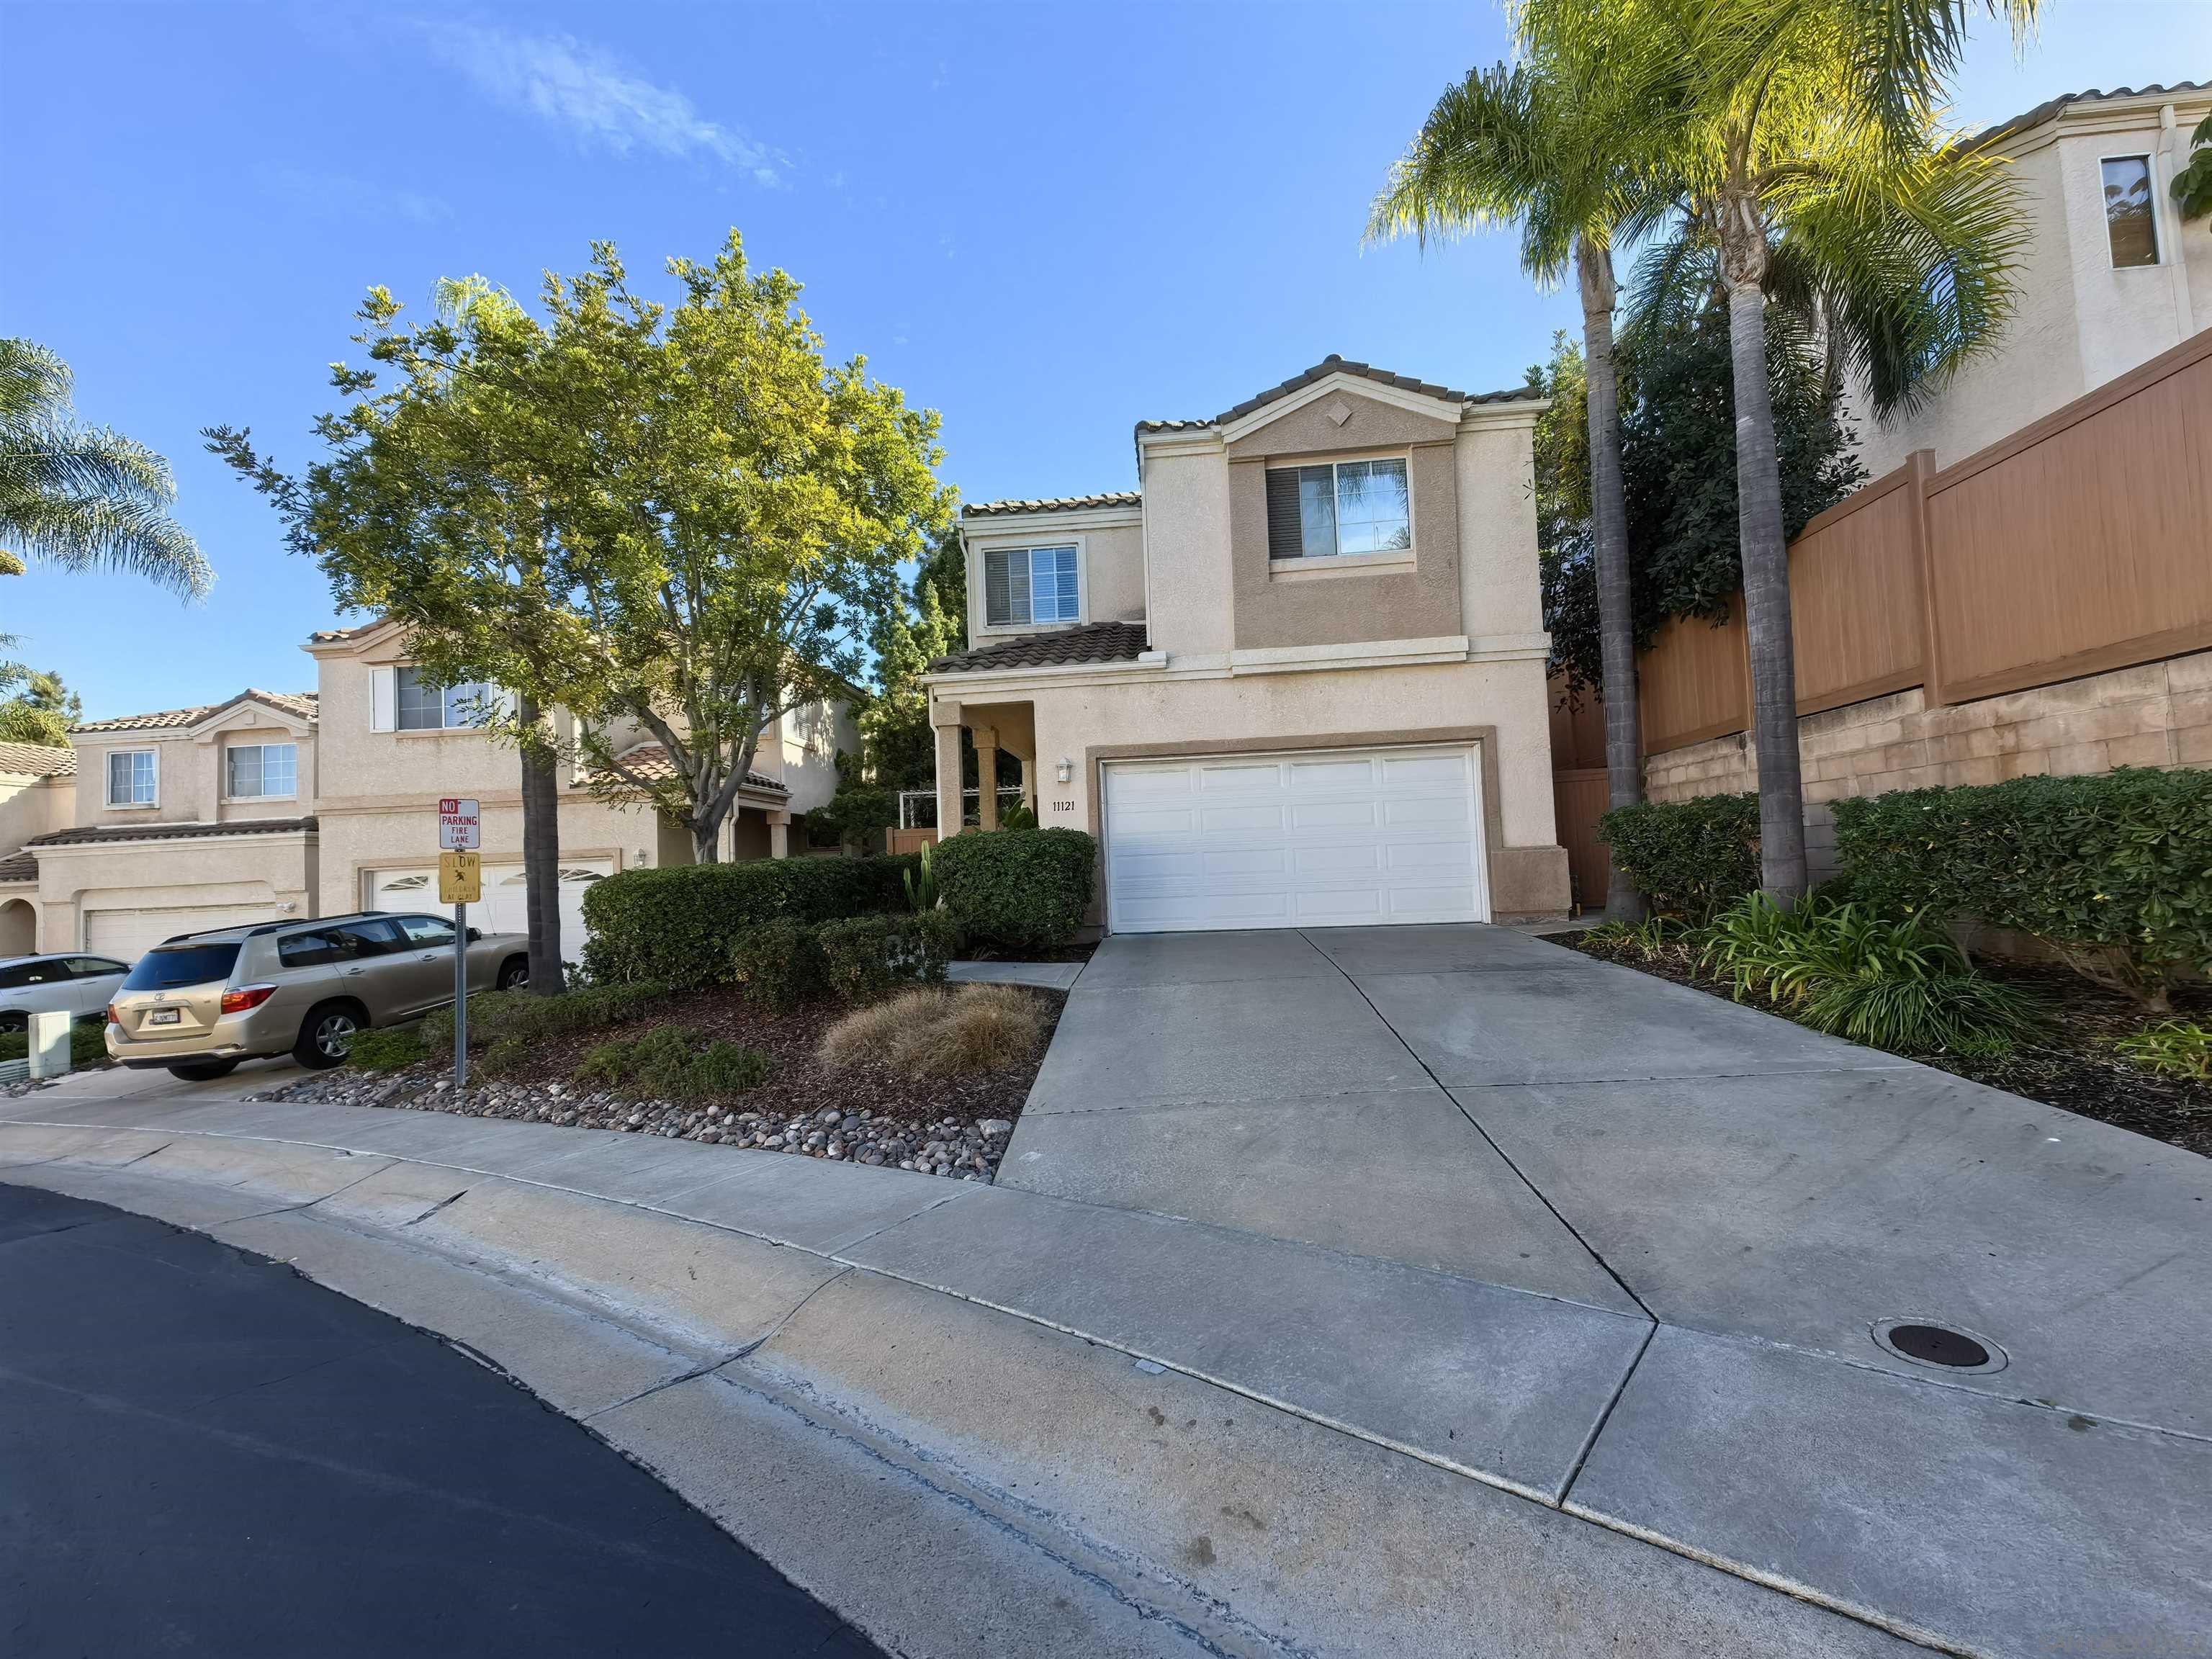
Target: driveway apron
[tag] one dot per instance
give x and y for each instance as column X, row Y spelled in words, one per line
column 1472, row 1101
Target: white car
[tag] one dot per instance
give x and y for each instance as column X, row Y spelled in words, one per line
column 82, row 986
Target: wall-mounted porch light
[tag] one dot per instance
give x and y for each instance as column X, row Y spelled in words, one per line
column 1066, row 769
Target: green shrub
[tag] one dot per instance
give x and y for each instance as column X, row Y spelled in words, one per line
column 496, row 1015
column 88, row 1044
column 389, row 1048
column 672, row 1063
column 677, row 924
column 777, row 964
column 2172, row 1047
column 2114, row 871
column 1691, row 858
column 1900, row 985
column 1017, row 890
column 864, row 957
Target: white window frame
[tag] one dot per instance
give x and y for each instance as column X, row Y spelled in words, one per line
column 488, row 693
column 107, row 781
column 230, row 794
column 985, row 553
column 2160, row 240
column 1315, row 562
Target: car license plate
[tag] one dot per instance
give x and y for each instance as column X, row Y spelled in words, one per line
column 166, row 1016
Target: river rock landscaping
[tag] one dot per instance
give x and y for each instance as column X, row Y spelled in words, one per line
column 867, row 1112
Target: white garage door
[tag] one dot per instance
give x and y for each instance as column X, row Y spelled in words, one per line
column 126, row 935
column 504, row 906
column 1328, row 838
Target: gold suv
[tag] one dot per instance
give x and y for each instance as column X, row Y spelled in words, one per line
column 200, row 1003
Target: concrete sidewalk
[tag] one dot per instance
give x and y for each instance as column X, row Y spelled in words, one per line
column 1359, row 1257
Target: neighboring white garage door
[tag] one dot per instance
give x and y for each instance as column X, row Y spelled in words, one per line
column 504, row 909
column 126, row 935
column 1326, row 838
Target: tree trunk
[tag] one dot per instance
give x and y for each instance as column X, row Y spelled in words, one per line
column 541, row 852
column 706, row 839
column 1765, row 557
column 1623, row 756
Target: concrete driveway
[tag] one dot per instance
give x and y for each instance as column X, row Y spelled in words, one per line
column 1763, row 1201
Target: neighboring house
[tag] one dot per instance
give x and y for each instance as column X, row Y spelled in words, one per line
column 38, row 793
column 2110, row 275
column 318, row 803
column 1296, row 679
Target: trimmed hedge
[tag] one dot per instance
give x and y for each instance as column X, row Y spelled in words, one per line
column 1017, row 890
column 2114, row 872
column 1689, row 857
column 678, row 925
column 777, row 964
column 864, row 957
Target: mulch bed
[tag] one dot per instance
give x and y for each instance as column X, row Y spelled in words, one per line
column 864, row 1114
column 2068, row 1063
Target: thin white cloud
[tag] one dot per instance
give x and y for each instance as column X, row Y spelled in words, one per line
column 343, row 195
column 591, row 96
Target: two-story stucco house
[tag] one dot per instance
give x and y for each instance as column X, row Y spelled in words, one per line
column 38, row 794
column 1296, row 678
column 316, row 803
column 2109, row 277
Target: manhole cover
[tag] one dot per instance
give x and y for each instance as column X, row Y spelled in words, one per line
column 1924, row 1342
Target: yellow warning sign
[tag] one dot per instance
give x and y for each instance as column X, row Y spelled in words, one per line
column 460, row 878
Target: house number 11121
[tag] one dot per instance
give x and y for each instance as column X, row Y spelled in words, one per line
column 1063, row 806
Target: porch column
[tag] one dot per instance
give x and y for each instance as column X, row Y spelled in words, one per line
column 945, row 719
column 779, row 835
column 986, row 776
column 1028, row 782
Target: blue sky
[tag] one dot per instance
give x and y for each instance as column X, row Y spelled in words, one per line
column 1046, row 221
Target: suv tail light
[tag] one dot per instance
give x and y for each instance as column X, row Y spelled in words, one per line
column 247, row 996
column 113, row 1018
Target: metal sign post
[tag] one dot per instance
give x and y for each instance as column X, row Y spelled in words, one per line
column 460, row 883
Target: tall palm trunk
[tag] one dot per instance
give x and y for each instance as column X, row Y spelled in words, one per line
column 1616, row 621
column 1765, row 557
column 541, row 851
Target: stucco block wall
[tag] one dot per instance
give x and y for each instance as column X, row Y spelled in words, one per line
column 32, row 807
column 2157, row 713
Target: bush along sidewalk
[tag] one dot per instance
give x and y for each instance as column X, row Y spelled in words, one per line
column 1017, row 891
column 678, row 926
column 1691, row 858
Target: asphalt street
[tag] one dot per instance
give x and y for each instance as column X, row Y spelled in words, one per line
column 202, row 1452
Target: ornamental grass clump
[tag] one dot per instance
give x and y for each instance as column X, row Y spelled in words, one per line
column 2171, row 1048
column 939, row 1033
column 1902, row 985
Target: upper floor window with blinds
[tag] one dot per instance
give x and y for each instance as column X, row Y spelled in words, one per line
column 2130, row 217
column 1338, row 508
column 1026, row 585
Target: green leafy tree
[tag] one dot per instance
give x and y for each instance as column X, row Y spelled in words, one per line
column 732, row 509
column 428, row 508
column 2192, row 185
column 1807, row 152
column 79, row 497
column 1558, row 145
column 42, row 712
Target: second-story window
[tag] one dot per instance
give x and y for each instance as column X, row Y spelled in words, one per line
column 130, row 777
column 1338, row 508
column 2130, row 217
column 258, row 771
column 1022, row 584
column 425, row 706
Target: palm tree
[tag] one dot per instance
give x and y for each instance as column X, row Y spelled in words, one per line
column 1808, row 131
column 77, row 496
column 1547, row 142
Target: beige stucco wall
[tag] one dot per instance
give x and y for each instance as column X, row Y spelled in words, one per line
column 2077, row 321
column 278, row 870
column 1501, row 584
column 1163, row 713
column 2156, row 714
column 32, row 807
column 1192, row 604
column 1109, row 559
column 404, row 836
column 190, row 770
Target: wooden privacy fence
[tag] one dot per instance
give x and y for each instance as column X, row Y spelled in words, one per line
column 2080, row 543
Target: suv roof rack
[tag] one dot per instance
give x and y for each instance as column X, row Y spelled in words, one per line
column 256, row 929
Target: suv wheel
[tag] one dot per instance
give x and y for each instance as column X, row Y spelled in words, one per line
column 202, row 1071
column 326, row 1035
column 514, row 973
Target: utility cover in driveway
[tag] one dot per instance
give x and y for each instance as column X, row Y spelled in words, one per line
column 1314, row 839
